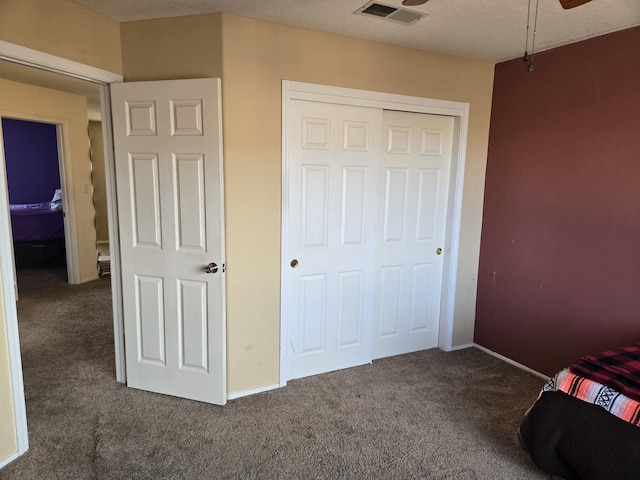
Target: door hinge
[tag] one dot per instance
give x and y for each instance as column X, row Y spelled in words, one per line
column 224, row 267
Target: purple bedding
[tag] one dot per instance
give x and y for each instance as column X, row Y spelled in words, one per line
column 34, row 222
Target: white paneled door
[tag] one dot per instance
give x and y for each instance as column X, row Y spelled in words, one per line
column 333, row 153
column 366, row 211
column 413, row 189
column 168, row 156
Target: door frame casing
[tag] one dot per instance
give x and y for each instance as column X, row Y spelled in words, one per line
column 52, row 63
column 292, row 90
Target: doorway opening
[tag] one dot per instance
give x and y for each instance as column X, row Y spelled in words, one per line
column 36, row 204
column 26, row 67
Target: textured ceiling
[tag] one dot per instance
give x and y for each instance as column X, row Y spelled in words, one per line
column 488, row 30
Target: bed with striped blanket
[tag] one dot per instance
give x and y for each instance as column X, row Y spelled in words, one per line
column 585, row 424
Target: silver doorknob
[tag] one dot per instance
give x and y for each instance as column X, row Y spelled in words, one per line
column 211, row 268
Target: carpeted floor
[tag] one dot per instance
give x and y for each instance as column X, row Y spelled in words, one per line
column 426, row 415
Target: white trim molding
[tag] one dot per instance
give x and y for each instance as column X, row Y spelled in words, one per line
column 11, row 318
column 347, row 96
column 52, row 63
column 246, row 393
column 511, row 362
column 114, row 234
column 461, row 347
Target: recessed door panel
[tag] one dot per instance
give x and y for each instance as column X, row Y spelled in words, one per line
column 140, row 118
column 313, row 298
column 186, row 117
column 316, row 133
column 399, row 138
column 354, row 192
column 394, row 204
column 428, row 206
column 190, row 207
column 350, row 309
column 421, row 285
column 356, row 136
column 145, row 195
column 432, row 142
column 315, row 198
column 150, row 320
column 192, row 325
column 389, row 298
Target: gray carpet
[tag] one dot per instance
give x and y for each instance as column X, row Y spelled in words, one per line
column 426, row 415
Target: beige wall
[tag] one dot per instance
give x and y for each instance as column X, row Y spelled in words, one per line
column 19, row 100
column 172, row 48
column 256, row 57
column 8, row 441
column 99, row 181
column 63, row 28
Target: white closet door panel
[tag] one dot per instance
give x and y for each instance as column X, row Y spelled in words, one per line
column 415, row 164
column 332, row 160
column 366, row 209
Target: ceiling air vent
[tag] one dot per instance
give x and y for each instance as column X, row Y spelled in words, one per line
column 391, row 13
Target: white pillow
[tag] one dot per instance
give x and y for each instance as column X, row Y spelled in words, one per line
column 56, row 201
column 57, row 196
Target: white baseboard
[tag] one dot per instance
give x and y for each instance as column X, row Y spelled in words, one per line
column 10, row 459
column 462, row 347
column 246, row 393
column 511, row 362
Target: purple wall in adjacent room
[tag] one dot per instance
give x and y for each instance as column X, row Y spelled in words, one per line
column 559, row 272
column 31, row 156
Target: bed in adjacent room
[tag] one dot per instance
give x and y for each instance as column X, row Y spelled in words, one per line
column 38, row 232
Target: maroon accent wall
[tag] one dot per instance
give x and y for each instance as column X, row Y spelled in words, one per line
column 559, row 273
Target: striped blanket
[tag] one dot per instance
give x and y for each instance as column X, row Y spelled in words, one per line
column 596, row 393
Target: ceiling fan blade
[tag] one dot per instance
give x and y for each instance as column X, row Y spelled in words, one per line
column 414, row 2
column 566, row 4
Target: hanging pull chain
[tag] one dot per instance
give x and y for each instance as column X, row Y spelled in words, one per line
column 526, row 43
